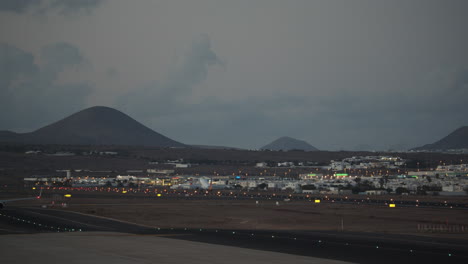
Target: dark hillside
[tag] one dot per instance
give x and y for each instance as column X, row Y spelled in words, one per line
column 458, row 139
column 287, row 143
column 93, row 126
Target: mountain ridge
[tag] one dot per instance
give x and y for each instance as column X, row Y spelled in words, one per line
column 97, row 125
column 288, row 143
column 458, row 139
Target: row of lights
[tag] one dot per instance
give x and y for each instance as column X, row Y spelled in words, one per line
column 272, row 236
column 219, row 194
column 58, row 229
column 158, row 229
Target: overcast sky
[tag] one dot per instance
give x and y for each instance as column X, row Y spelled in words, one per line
column 338, row 74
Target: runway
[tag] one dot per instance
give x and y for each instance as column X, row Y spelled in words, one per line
column 308, row 246
column 91, row 193
column 120, row 248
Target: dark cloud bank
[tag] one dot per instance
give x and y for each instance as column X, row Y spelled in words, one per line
column 166, row 96
column 30, row 92
column 32, row 95
column 61, row 6
column 392, row 118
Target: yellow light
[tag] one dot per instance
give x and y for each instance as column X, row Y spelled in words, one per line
column 124, row 191
column 392, row 205
column 159, row 195
column 34, row 188
column 67, row 195
column 317, row 201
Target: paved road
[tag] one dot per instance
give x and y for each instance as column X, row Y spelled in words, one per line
column 345, row 246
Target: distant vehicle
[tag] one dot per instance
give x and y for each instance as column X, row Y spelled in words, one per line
column 3, row 202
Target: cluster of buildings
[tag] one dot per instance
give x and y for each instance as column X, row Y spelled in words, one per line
column 444, row 184
column 452, row 168
column 448, row 151
column 178, row 163
column 69, row 153
column 332, row 179
column 367, row 162
column 106, row 181
column 357, row 162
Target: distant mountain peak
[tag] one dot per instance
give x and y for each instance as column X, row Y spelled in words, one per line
column 458, row 139
column 97, row 125
column 287, row 138
column 99, row 107
column 289, row 143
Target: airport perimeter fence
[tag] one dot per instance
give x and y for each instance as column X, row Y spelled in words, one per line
column 442, row 228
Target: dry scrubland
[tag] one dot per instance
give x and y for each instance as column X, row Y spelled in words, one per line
column 268, row 216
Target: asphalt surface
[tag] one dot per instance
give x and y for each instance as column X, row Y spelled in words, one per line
column 239, row 195
column 345, row 246
column 121, row 248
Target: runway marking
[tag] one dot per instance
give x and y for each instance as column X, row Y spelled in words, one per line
column 10, row 230
column 66, row 219
column 109, row 218
column 124, row 235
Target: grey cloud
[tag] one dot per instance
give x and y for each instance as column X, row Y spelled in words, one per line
column 42, row 6
column 67, row 7
column 195, row 65
column 451, row 101
column 248, row 123
column 438, row 104
column 14, row 63
column 330, row 121
column 166, row 96
column 460, row 80
column 364, row 73
column 30, row 94
column 17, row 6
column 326, row 121
column 112, row 72
column 59, row 57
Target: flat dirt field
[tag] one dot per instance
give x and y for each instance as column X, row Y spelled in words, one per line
column 228, row 214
